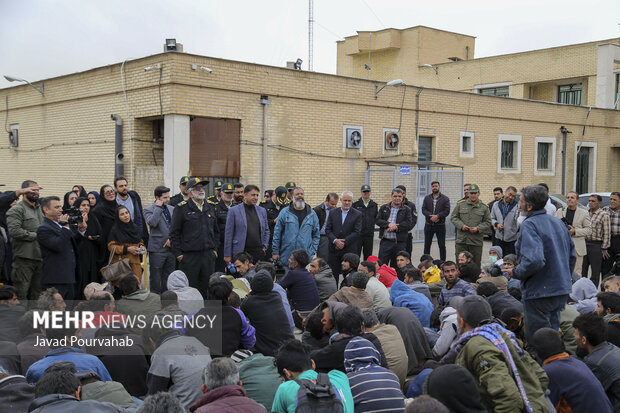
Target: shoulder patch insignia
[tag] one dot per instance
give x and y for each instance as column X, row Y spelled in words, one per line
column 486, row 205
column 462, row 200
column 182, row 203
column 484, row 366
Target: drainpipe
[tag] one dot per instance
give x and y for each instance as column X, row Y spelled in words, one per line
column 119, row 166
column 565, row 133
column 264, row 100
column 417, row 114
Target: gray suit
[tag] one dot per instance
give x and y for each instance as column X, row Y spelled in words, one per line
column 161, row 260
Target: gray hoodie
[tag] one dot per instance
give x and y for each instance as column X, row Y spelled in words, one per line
column 190, row 299
column 325, row 282
column 511, row 227
column 448, row 332
column 584, row 294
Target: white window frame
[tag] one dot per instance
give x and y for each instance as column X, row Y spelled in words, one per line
column 469, row 154
column 344, row 138
column 477, row 88
column 552, row 156
column 592, row 183
column 513, row 138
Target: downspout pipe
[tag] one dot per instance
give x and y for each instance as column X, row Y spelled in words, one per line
column 119, row 164
column 264, row 100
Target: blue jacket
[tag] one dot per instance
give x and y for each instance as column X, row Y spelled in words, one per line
column 81, row 360
column 237, row 228
column 546, row 255
column 288, row 236
column 403, row 296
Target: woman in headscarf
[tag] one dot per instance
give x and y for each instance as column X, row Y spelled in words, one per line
column 69, row 200
column 106, row 210
column 79, row 191
column 125, row 241
column 90, row 249
column 93, row 198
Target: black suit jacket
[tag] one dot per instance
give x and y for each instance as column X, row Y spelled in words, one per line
column 349, row 230
column 59, row 251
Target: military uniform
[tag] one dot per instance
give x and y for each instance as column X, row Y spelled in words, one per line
column 273, row 210
column 178, row 198
column 194, row 234
column 214, row 199
column 221, row 212
column 472, row 215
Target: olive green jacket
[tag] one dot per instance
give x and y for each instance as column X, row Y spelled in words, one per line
column 491, row 370
column 473, row 215
column 22, row 221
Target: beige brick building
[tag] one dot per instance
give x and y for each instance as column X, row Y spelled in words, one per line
column 268, row 125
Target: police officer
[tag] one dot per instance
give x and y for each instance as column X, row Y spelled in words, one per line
column 471, row 219
column 221, row 212
column 181, row 196
column 290, row 185
column 369, row 210
column 214, row 199
column 273, row 208
column 195, row 236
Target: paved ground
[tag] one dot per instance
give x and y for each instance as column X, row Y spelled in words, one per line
column 418, row 250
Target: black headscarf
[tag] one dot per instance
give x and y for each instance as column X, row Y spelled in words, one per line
column 65, row 204
column 124, row 232
column 456, row 388
column 105, row 208
column 82, row 193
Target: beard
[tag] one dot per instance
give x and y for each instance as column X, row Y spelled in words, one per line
column 32, row 197
column 435, row 191
column 238, row 199
column 299, row 204
column 200, row 196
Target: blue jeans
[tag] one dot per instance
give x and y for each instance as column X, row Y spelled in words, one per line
column 542, row 312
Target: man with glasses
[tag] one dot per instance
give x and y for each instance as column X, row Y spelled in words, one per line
column 195, row 236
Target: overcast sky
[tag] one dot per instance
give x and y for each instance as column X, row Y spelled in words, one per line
column 43, row 38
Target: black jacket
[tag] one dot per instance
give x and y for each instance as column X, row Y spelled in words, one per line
column 221, row 213
column 320, row 213
column 272, row 214
column 8, row 322
column 369, row 216
column 192, row 230
column 16, row 394
column 6, row 199
column 442, row 209
column 176, row 199
column 414, row 211
column 65, row 403
column 331, row 357
column 349, row 230
column 404, row 219
column 59, row 252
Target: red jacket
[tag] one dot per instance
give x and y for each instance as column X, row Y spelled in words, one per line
column 227, row 399
column 387, row 275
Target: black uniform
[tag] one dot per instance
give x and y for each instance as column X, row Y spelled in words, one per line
column 414, row 217
column 369, row 216
column 176, row 199
column 272, row 213
column 194, row 234
column 221, row 212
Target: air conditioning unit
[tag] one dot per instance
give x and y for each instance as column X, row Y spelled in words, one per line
column 14, row 138
column 391, row 140
column 354, row 138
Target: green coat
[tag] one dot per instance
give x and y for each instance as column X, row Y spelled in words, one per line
column 260, row 378
column 472, row 215
column 22, row 220
column 498, row 389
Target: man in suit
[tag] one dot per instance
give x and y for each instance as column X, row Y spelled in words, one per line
column 343, row 229
column 58, row 242
column 247, row 228
column 322, row 213
column 162, row 262
column 579, row 225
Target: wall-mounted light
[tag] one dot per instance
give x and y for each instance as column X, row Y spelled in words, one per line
column 297, row 64
column 394, row 82
column 432, row 67
column 155, row 66
column 205, row 68
column 41, row 89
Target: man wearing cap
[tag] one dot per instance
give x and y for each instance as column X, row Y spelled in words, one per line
column 273, row 208
column 508, row 379
column 195, row 236
column 214, row 199
column 322, row 212
column 246, row 227
column 221, row 212
column 472, row 218
column 369, row 210
column 435, row 208
column 181, row 196
column 289, row 190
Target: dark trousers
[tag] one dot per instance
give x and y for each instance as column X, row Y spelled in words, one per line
column 257, row 255
column 161, row 264
column 593, row 259
column 26, row 278
column 542, row 312
column 364, row 245
column 67, row 291
column 614, row 249
column 198, row 266
column 334, row 260
column 476, row 251
column 508, row 247
column 323, row 248
column 220, row 265
column 409, row 244
column 440, row 232
column 388, row 250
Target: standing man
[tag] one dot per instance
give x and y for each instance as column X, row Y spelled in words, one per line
column 369, row 210
column 246, row 227
column 273, row 207
column 471, row 218
column 498, row 194
column 394, row 221
column 22, row 220
column 414, row 217
column 322, row 212
column 435, row 208
column 614, row 223
column 297, row 227
column 181, row 196
column 215, row 198
column 221, row 213
column 504, row 215
column 238, row 194
column 162, row 261
column 131, row 200
column 597, row 243
column 59, row 243
column 343, row 229
column 195, row 236
column 465, row 192
column 546, row 255
column 578, row 222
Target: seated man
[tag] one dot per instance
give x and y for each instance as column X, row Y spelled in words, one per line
column 259, row 376
column 415, row 280
column 508, row 378
column 361, row 361
column 15, row 392
column 403, row 262
column 603, row 358
column 355, row 294
column 583, row 296
column 350, row 263
column 377, row 290
column 222, row 390
column 454, row 285
column 176, row 361
column 10, row 312
column 612, row 284
column 29, row 348
column 51, row 300
column 499, row 300
column 496, row 255
column 572, row 385
column 448, row 331
column 324, row 278
column 403, row 296
column 271, row 269
column 294, row 365
column 391, row 341
column 189, row 298
column 492, row 273
column 608, row 307
column 135, row 301
column 243, row 264
column 300, row 285
column 385, row 274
